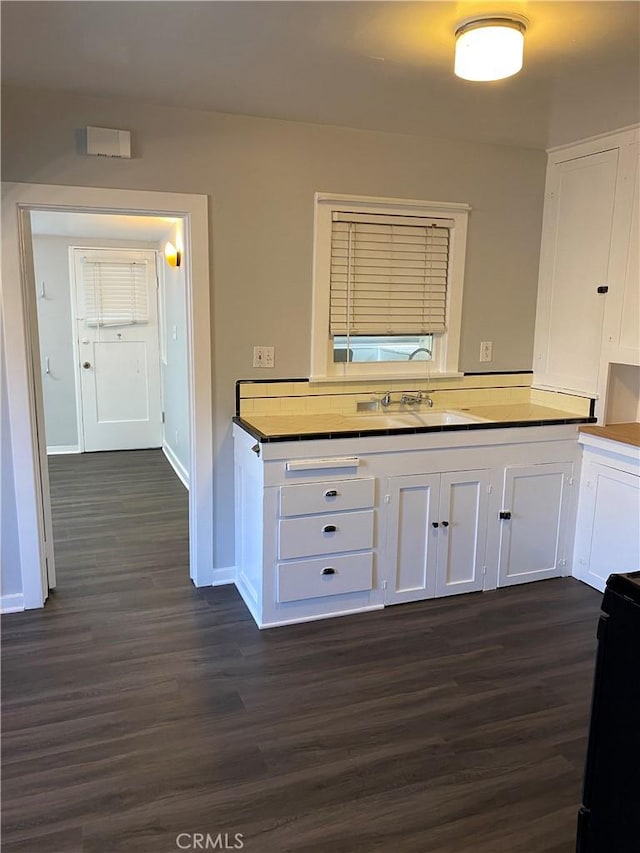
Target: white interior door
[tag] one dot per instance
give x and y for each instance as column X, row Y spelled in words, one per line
column 118, row 348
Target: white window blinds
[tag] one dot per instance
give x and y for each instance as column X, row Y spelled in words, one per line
column 388, row 274
column 115, row 292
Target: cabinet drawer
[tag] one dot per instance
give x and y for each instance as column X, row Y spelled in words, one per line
column 325, row 534
column 330, row 496
column 333, row 576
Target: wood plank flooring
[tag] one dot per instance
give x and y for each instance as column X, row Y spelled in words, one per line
column 136, row 707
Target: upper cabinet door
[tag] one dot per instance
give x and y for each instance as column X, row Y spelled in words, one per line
column 622, row 317
column 574, row 262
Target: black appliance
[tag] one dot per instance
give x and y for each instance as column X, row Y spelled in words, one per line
column 609, row 819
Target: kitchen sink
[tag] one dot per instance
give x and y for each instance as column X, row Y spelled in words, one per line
column 397, row 420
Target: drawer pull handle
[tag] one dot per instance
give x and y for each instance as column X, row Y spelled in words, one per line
column 329, row 528
column 328, row 571
column 444, row 523
column 331, row 493
column 435, row 524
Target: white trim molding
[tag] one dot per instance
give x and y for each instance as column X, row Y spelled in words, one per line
column 59, row 449
column 176, row 464
column 446, row 346
column 224, row 576
column 13, row 603
column 26, row 412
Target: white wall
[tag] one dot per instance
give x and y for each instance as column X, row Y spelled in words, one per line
column 51, row 265
column 174, row 363
column 261, row 175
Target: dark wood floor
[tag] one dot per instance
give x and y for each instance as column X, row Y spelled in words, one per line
column 137, row 707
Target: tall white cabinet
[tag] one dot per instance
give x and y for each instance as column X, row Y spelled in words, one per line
column 587, row 311
column 608, row 524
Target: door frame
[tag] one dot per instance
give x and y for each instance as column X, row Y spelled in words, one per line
column 73, row 291
column 24, row 391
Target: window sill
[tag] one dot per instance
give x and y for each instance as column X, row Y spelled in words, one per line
column 427, row 376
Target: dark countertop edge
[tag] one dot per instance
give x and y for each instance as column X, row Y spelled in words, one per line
column 367, row 433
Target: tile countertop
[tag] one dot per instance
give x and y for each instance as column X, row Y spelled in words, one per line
column 628, row 433
column 328, row 425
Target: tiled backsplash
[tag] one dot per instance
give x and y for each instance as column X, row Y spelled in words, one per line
column 290, row 397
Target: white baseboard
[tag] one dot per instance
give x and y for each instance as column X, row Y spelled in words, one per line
column 223, row 576
column 177, row 466
column 12, row 603
column 217, row 577
column 56, row 449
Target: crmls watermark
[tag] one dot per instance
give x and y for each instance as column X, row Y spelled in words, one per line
column 207, row 841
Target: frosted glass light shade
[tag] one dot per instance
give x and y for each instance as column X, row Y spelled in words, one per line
column 489, row 49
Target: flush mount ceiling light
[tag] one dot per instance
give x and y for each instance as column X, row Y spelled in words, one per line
column 490, row 48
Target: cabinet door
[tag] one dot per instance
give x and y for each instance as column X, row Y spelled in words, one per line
column 574, row 262
column 462, row 532
column 622, row 329
column 412, row 540
column 534, row 532
column 608, row 535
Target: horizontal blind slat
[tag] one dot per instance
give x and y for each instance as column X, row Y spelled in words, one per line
column 388, row 274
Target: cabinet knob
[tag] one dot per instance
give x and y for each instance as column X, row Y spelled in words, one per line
column 331, row 493
column 328, row 571
column 505, row 516
column 444, row 523
column 435, row 524
column 329, row 528
column 86, row 365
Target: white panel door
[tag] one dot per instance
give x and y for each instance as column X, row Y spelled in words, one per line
column 534, row 526
column 574, row 262
column 118, row 349
column 412, row 538
column 608, row 529
column 462, row 532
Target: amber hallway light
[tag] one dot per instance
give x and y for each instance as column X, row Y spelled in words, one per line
column 172, row 255
column 490, row 48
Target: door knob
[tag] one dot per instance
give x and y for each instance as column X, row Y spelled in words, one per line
column 86, row 365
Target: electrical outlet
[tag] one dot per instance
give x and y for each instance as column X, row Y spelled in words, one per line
column 263, row 356
column 486, row 350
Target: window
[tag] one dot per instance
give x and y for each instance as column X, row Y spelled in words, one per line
column 115, row 292
column 387, row 287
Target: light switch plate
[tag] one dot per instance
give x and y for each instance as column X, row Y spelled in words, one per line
column 486, row 350
column 263, row 356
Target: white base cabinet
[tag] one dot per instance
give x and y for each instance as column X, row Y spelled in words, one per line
column 608, row 526
column 335, row 526
column 436, row 535
column 534, row 531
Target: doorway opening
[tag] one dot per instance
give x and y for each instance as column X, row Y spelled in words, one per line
column 24, row 365
column 113, row 343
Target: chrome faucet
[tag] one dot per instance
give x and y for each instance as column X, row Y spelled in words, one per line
column 414, row 399
column 410, row 399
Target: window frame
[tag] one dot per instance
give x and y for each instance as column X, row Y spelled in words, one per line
column 444, row 361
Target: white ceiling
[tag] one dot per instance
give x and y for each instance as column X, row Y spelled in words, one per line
column 375, row 65
column 104, row 226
